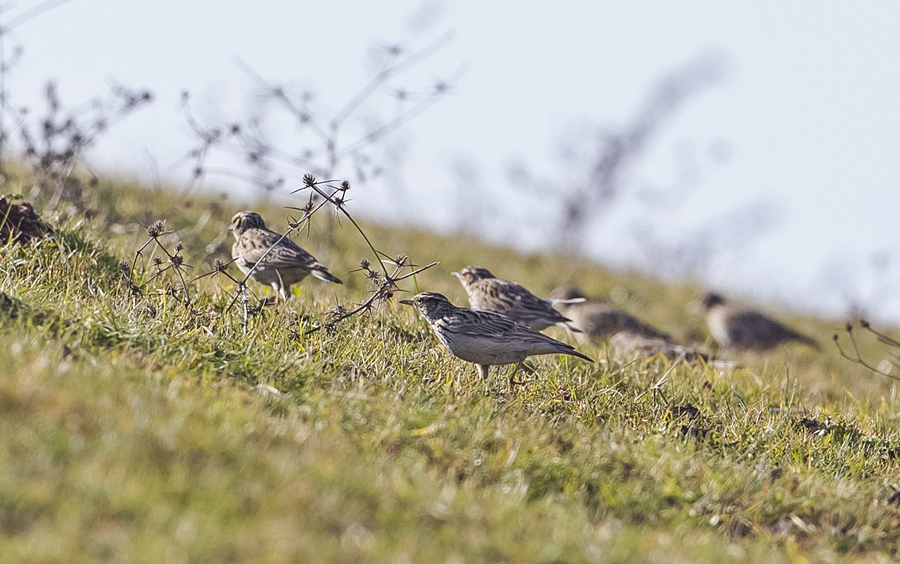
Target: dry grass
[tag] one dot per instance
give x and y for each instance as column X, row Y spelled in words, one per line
column 135, row 429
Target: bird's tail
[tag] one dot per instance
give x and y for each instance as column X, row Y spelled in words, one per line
column 809, row 341
column 323, row 274
column 573, row 352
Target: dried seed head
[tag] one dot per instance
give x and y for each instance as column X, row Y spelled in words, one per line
column 309, row 180
column 848, row 327
column 157, row 260
column 219, row 265
column 179, row 246
column 177, row 260
column 156, row 228
column 863, row 323
column 124, row 267
column 345, row 185
column 364, row 264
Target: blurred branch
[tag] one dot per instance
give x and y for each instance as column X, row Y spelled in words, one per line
column 55, row 143
column 30, row 14
column 601, row 174
column 857, row 357
column 271, row 166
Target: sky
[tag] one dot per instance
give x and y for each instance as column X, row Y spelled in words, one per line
column 796, row 146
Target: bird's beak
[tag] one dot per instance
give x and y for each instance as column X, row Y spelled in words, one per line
column 457, row 274
column 406, row 302
column 231, row 227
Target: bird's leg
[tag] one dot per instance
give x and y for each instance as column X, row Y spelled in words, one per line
column 524, row 367
column 281, row 289
column 483, row 371
column 512, row 376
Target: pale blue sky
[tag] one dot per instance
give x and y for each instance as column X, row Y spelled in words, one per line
column 809, row 107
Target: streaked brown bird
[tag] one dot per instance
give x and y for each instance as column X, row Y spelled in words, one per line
column 626, row 345
column 601, row 321
column 489, row 293
column 744, row 329
column 485, row 338
column 286, row 264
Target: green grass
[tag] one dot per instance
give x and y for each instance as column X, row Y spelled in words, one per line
column 135, row 430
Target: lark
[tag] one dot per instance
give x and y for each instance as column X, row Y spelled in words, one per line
column 626, row 345
column 485, row 338
column 600, row 321
column 743, row 329
column 282, row 266
column 489, row 293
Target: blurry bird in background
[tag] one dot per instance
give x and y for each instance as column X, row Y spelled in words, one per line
column 743, row 329
column 600, row 321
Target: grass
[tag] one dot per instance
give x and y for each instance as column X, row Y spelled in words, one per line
column 136, row 430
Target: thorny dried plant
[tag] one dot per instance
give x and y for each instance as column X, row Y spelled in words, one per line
column 139, row 274
column 385, row 288
column 891, row 359
column 322, row 151
column 54, row 144
column 321, row 193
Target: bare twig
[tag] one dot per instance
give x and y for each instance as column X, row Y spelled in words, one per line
column 272, row 166
column 385, row 291
column 857, row 355
column 175, row 262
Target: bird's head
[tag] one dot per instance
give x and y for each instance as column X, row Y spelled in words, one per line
column 245, row 220
column 470, row 274
column 430, row 304
column 709, row 300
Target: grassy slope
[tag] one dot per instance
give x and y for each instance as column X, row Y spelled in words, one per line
column 134, row 431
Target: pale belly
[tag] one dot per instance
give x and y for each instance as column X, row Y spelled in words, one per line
column 716, row 323
column 481, row 350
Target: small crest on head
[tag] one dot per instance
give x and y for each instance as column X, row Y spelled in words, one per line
column 428, row 302
column 710, row 300
column 473, row 273
column 245, row 220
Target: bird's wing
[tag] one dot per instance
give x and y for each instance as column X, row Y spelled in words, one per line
column 752, row 329
column 480, row 323
column 526, row 305
column 286, row 254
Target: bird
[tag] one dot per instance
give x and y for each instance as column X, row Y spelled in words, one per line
column 601, row 321
column 626, row 345
column 485, row 338
column 285, row 264
column 744, row 329
column 489, row 293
